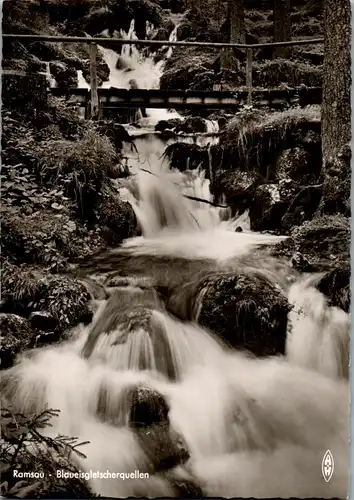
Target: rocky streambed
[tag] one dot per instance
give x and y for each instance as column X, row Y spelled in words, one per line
column 184, row 252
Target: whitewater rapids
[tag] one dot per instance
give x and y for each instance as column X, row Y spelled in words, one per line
column 253, row 427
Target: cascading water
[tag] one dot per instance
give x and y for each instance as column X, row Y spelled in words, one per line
column 243, row 420
column 253, row 427
column 49, row 77
column 132, row 66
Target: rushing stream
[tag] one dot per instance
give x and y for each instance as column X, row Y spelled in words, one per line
column 253, row 427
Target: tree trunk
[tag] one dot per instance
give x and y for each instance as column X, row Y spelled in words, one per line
column 336, row 108
column 236, row 17
column 282, row 25
column 237, row 21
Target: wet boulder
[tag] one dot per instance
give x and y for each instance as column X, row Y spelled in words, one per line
column 103, row 71
column 164, row 448
column 183, row 156
column 145, row 411
column 296, row 164
column 161, row 34
column 16, row 336
column 147, row 407
column 118, row 220
column 65, row 76
column 246, row 310
column 302, row 208
column 168, row 25
column 149, row 418
column 323, row 241
column 204, row 81
column 300, row 263
column 192, row 125
column 184, row 484
column 115, row 132
column 185, row 30
column 66, row 300
column 99, row 20
column 237, row 186
column 164, row 125
column 335, row 284
column 137, row 406
column 270, row 204
column 183, row 68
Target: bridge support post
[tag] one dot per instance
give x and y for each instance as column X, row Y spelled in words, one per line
column 94, row 111
column 249, row 76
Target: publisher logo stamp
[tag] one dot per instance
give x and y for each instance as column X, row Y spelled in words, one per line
column 327, row 466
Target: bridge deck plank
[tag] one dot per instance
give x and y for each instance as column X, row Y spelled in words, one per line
column 178, row 99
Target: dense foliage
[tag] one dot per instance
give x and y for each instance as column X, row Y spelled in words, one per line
column 25, row 448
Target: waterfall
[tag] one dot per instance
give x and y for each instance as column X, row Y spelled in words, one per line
column 319, row 336
column 132, row 67
column 82, row 83
column 173, row 38
column 212, row 126
column 253, row 427
column 49, row 77
column 243, row 420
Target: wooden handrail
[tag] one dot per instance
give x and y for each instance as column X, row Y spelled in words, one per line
column 152, row 43
column 93, row 41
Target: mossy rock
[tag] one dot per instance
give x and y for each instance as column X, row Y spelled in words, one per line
column 192, row 125
column 270, row 204
column 183, row 156
column 245, row 310
column 64, row 301
column 183, row 69
column 16, row 336
column 118, row 219
column 296, row 164
column 302, row 207
column 323, row 241
column 335, row 284
column 255, row 139
column 67, row 300
column 237, row 186
column 65, row 76
column 270, row 74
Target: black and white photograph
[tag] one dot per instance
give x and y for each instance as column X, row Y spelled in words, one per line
column 175, row 249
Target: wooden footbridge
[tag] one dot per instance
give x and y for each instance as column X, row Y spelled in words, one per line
column 111, row 98
column 101, row 98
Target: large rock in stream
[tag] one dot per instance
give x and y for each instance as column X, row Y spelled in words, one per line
column 146, row 412
column 148, row 416
column 246, row 310
column 283, row 205
column 335, row 284
column 136, row 336
column 324, row 242
column 117, row 218
column 39, row 310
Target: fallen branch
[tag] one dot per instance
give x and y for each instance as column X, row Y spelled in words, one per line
column 193, row 198
column 202, row 200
